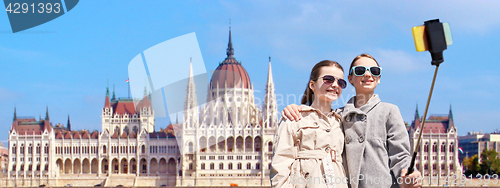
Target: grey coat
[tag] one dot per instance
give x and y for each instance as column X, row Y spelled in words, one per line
column 377, row 146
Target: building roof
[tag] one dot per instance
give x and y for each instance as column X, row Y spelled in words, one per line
column 230, row 73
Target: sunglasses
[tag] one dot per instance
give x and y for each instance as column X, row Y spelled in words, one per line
column 329, row 79
column 361, row 70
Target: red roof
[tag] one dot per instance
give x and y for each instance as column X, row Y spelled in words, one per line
column 67, row 135
column 95, row 134
column 115, row 135
column 86, row 135
column 59, row 135
column 231, row 73
column 133, row 135
column 124, row 135
column 30, row 126
column 76, row 135
column 124, row 107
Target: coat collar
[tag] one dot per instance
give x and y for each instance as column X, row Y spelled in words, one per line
column 305, row 108
column 365, row 108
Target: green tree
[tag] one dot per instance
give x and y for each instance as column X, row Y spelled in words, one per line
column 490, row 163
column 471, row 165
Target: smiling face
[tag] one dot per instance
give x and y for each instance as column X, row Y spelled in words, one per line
column 324, row 92
column 367, row 83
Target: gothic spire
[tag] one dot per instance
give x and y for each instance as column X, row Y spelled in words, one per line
column 270, row 111
column 47, row 114
column 69, row 124
column 230, row 50
column 15, row 114
column 113, row 98
column 417, row 116
column 191, row 104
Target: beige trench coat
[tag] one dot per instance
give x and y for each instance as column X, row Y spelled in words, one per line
column 300, row 148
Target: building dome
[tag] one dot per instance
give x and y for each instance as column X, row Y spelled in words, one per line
column 230, row 73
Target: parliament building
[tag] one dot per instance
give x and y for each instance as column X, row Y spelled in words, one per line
column 226, row 141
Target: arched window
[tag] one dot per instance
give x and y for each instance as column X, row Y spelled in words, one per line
column 426, row 147
column 239, row 166
column 21, row 149
column 221, row 166
column 104, row 149
column 257, row 166
column 452, row 147
column 212, row 166
column 30, row 149
column 14, row 149
column 143, row 149
column 230, row 166
column 190, row 146
column 434, row 147
column 270, row 146
column 203, row 166
column 46, row 149
column 443, row 147
column 38, row 148
column 190, row 166
column 451, row 167
column 249, row 166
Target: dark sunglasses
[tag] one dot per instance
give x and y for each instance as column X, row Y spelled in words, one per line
column 329, row 79
column 361, row 70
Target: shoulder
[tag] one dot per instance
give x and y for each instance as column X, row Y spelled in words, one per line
column 388, row 107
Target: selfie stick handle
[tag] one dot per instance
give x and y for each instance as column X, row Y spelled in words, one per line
column 415, row 151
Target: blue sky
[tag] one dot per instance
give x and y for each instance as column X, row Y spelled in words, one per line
column 65, row 64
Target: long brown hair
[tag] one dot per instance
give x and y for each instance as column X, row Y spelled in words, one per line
column 308, row 96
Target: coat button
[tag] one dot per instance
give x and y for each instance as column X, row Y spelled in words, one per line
column 347, row 139
column 361, row 138
column 327, row 130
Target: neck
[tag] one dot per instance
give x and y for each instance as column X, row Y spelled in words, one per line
column 362, row 99
column 324, row 107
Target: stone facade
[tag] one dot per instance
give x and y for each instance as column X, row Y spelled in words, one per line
column 438, row 151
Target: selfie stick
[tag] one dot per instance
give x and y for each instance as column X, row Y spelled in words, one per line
column 434, row 37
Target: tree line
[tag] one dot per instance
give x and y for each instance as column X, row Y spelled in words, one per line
column 489, row 163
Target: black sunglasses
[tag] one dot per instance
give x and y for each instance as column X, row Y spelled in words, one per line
column 329, row 79
column 361, row 70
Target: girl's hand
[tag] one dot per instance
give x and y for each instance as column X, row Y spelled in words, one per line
column 412, row 180
column 292, row 112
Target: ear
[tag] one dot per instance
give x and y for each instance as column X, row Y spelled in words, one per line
column 379, row 78
column 350, row 79
column 311, row 85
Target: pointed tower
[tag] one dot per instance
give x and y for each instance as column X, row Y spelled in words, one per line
column 416, row 121
column 113, row 98
column 106, row 101
column 191, row 104
column 69, row 124
column 451, row 123
column 270, row 107
column 15, row 114
column 47, row 114
column 107, row 111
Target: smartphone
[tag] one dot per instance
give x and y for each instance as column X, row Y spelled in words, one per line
column 420, row 38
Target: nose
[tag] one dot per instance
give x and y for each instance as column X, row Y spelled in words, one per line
column 367, row 73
